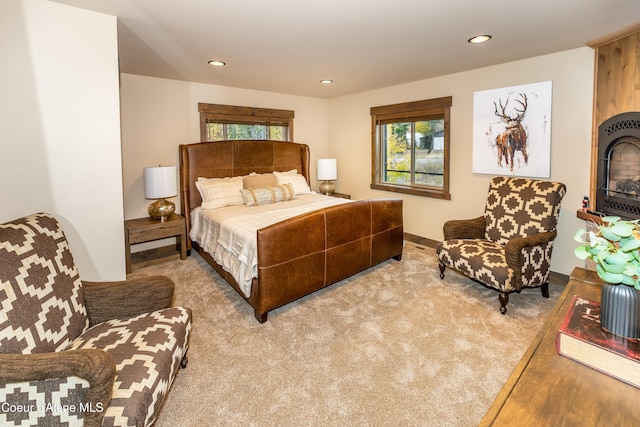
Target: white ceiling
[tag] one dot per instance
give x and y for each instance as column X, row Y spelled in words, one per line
column 288, row 46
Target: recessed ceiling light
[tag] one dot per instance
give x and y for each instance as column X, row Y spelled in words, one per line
column 326, row 81
column 479, row 39
column 217, row 63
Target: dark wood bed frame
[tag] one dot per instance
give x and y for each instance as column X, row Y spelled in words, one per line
column 303, row 254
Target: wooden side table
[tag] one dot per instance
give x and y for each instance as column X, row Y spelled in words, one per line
column 341, row 195
column 144, row 230
column 546, row 389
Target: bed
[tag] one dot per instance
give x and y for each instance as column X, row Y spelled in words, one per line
column 300, row 255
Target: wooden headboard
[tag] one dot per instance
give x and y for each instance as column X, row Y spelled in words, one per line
column 222, row 159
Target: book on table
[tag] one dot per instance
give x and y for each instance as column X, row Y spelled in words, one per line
column 582, row 339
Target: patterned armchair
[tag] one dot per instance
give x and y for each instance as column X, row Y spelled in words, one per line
column 81, row 353
column 509, row 247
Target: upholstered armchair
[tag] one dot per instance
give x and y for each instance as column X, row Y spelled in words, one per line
column 81, row 353
column 509, row 247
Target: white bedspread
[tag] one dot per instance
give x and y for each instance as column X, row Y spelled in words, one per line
column 228, row 234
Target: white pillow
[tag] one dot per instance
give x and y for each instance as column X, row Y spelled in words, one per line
column 297, row 181
column 219, row 192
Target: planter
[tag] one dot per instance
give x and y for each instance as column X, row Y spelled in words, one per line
column 620, row 310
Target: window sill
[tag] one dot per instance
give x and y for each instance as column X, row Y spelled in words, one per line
column 415, row 191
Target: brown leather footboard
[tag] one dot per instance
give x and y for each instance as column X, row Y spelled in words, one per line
column 303, row 254
column 306, row 253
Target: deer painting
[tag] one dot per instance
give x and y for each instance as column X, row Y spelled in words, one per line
column 514, row 137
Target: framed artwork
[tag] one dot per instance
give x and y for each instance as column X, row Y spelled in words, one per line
column 512, row 131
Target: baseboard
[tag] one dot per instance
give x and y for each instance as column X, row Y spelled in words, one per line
column 558, row 278
column 555, row 278
column 419, row 240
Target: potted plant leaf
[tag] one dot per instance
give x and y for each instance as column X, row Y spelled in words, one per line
column 614, row 248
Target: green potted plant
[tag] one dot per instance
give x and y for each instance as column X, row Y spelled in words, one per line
column 614, row 248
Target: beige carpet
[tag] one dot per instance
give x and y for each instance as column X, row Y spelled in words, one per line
column 392, row 346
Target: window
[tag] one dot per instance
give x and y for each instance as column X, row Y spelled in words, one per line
column 411, row 148
column 220, row 122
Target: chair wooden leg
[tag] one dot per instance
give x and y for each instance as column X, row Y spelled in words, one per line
column 545, row 290
column 504, row 300
column 442, row 268
column 184, row 361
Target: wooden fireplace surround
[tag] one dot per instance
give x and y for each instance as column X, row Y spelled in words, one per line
column 617, row 71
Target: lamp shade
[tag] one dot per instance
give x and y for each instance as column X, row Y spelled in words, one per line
column 160, row 182
column 327, row 169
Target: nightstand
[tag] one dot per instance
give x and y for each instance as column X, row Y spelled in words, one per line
column 144, row 230
column 341, row 195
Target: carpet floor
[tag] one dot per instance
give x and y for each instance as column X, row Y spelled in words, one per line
column 394, row 345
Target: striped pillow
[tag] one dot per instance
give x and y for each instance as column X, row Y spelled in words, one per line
column 264, row 196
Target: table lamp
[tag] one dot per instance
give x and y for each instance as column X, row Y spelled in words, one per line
column 160, row 183
column 327, row 171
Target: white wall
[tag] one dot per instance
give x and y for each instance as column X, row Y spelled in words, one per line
column 572, row 75
column 60, row 132
column 160, row 114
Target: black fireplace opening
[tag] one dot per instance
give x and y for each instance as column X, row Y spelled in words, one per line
column 618, row 169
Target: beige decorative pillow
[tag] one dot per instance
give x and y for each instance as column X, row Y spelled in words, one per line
column 298, row 181
column 219, row 192
column 263, row 196
column 259, row 180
